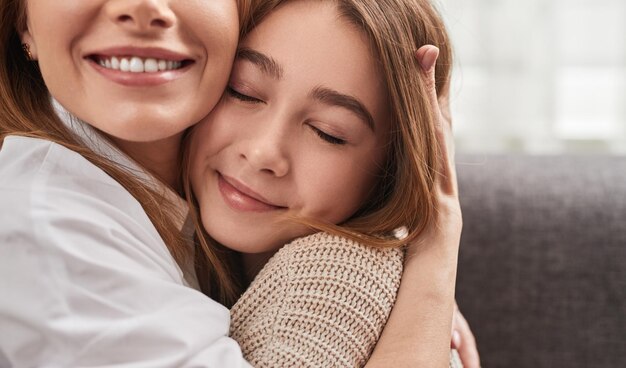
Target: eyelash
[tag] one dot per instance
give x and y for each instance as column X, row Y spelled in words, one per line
column 327, row 137
column 323, row 135
column 240, row 96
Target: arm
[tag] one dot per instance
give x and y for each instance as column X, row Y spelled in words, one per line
column 86, row 281
column 418, row 331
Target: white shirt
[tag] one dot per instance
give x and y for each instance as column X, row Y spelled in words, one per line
column 86, row 280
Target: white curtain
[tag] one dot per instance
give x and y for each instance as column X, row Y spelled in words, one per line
column 538, row 76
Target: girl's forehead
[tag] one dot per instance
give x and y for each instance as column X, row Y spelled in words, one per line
column 313, row 46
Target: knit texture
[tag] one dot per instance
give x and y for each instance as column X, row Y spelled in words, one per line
column 321, row 301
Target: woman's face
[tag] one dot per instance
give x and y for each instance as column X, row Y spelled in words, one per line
column 139, row 70
column 301, row 130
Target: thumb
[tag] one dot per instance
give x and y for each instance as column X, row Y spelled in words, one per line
column 427, row 57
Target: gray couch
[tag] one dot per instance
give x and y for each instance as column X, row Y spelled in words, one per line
column 542, row 265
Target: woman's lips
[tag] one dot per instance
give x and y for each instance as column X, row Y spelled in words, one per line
column 240, row 201
column 131, row 79
column 176, row 64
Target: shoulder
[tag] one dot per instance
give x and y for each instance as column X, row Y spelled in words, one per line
column 58, row 203
column 322, row 260
column 322, row 299
column 325, row 263
column 26, row 161
column 323, row 248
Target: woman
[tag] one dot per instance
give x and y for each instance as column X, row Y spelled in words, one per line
column 79, row 201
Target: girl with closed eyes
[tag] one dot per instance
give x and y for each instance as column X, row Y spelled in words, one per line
column 326, row 127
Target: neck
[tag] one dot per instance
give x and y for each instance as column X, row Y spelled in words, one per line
column 253, row 263
column 161, row 158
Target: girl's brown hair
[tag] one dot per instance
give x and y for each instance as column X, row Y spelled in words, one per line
column 26, row 110
column 404, row 197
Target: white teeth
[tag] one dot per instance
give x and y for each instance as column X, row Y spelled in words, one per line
column 125, row 65
column 136, row 64
column 151, row 66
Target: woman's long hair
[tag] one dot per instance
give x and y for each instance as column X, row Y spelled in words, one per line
column 26, row 110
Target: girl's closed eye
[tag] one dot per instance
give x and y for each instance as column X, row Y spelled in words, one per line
column 232, row 92
column 330, row 138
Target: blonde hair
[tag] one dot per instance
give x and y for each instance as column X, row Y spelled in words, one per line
column 26, row 110
column 404, row 197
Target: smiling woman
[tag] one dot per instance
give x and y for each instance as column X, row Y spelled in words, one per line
column 194, row 43
column 93, row 265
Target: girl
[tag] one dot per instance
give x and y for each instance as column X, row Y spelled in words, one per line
column 94, row 269
column 305, row 137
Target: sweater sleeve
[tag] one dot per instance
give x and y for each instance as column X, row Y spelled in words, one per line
column 321, row 301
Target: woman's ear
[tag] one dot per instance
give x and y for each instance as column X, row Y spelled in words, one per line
column 28, row 41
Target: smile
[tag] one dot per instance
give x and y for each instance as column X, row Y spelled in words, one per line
column 240, row 198
column 135, row 64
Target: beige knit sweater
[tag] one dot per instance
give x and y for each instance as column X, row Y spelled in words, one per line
column 321, row 301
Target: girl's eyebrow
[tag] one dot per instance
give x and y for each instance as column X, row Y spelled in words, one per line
column 325, row 95
column 267, row 64
column 334, row 98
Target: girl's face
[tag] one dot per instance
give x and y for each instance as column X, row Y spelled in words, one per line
column 139, row 70
column 301, row 130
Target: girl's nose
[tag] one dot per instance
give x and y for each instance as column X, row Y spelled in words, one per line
column 266, row 151
column 141, row 16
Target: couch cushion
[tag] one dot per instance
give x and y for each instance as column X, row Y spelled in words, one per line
column 542, row 266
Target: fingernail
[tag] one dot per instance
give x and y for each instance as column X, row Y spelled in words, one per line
column 430, row 58
column 456, row 339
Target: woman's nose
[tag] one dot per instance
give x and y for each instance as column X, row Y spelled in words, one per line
column 141, row 16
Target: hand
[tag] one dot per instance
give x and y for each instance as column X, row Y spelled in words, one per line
column 463, row 340
column 449, row 222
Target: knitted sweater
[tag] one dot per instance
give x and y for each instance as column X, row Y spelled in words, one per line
column 321, row 301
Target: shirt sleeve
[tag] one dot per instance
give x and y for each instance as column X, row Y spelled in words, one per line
column 321, row 301
column 85, row 281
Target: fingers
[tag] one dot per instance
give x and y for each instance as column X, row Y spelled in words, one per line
column 466, row 343
column 456, row 340
column 427, row 57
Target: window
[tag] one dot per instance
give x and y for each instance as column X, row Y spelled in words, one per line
column 538, row 76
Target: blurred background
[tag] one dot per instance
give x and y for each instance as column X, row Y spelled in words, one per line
column 538, row 76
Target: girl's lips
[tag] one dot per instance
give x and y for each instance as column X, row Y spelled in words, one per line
column 240, row 201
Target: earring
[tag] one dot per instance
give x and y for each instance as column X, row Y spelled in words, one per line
column 26, row 49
